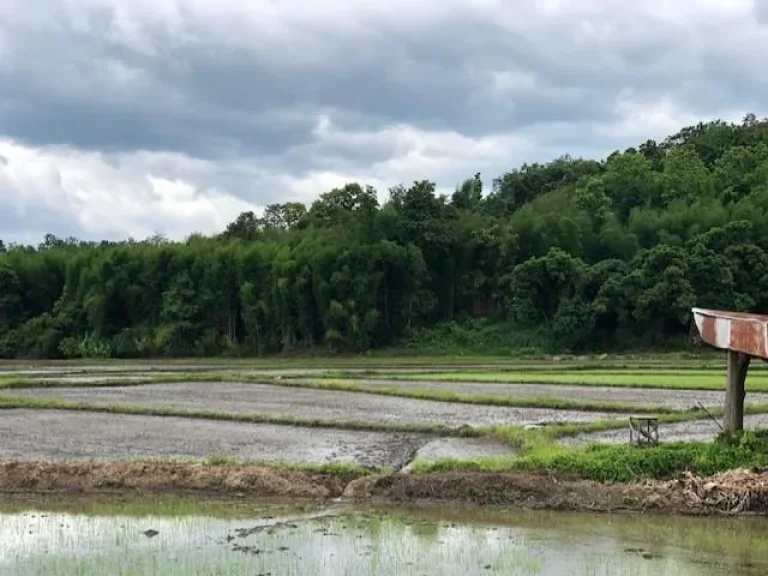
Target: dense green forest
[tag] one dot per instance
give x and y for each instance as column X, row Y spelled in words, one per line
column 574, row 254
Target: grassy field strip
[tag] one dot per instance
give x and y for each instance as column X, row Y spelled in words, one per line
column 344, row 385
column 693, row 380
column 757, row 382
column 21, row 382
column 515, row 435
column 508, row 432
column 715, row 368
column 619, row 463
column 436, row 364
column 546, row 402
column 376, row 360
column 549, row 402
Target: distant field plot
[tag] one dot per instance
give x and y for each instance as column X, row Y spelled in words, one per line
column 675, row 399
column 339, row 406
column 683, row 379
column 64, row 435
column 374, row 414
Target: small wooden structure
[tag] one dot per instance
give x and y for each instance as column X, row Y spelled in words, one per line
column 643, row 430
column 743, row 336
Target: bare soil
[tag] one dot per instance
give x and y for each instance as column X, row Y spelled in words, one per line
column 676, row 399
column 66, row 435
column 310, row 403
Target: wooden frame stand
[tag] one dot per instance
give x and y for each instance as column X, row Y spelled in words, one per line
column 643, row 430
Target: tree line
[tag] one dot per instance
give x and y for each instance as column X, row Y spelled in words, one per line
column 596, row 254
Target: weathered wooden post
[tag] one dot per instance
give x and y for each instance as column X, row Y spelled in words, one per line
column 735, row 391
column 743, row 337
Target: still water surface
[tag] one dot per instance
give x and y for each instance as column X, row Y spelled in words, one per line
column 173, row 537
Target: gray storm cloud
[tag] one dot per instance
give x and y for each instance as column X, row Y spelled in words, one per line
column 184, row 113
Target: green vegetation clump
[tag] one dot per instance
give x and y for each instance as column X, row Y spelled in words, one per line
column 621, row 462
column 573, row 254
column 468, row 336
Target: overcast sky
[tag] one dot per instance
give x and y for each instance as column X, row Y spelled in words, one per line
column 131, row 117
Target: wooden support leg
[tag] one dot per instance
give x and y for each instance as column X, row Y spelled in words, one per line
column 738, row 364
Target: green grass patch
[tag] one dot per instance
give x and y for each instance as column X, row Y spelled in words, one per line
column 219, row 460
column 20, row 383
column 13, row 381
column 622, row 463
column 538, row 450
column 389, row 358
column 150, row 504
column 685, row 379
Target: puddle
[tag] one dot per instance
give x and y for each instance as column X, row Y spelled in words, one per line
column 460, row 448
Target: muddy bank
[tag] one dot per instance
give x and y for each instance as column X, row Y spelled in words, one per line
column 238, row 397
column 737, row 492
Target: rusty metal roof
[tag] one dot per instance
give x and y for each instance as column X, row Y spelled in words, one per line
column 738, row 331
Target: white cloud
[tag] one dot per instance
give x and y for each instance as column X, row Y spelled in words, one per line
column 402, row 153
column 138, row 194
column 506, row 83
column 113, row 197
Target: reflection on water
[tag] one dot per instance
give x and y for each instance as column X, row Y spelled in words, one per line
column 173, row 538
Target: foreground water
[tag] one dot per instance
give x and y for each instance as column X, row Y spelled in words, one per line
column 175, row 537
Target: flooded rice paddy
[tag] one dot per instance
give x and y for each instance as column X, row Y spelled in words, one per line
column 242, row 398
column 177, row 538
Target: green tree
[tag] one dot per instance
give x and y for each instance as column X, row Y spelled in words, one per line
column 10, row 297
column 629, row 181
column 685, row 176
column 179, row 322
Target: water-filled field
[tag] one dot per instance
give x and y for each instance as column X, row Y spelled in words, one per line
column 178, row 538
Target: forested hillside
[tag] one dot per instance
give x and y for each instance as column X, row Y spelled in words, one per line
column 586, row 254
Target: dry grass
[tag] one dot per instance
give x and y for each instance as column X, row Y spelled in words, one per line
column 170, row 476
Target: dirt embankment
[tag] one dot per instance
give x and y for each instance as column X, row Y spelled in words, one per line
column 735, row 492
column 170, row 477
